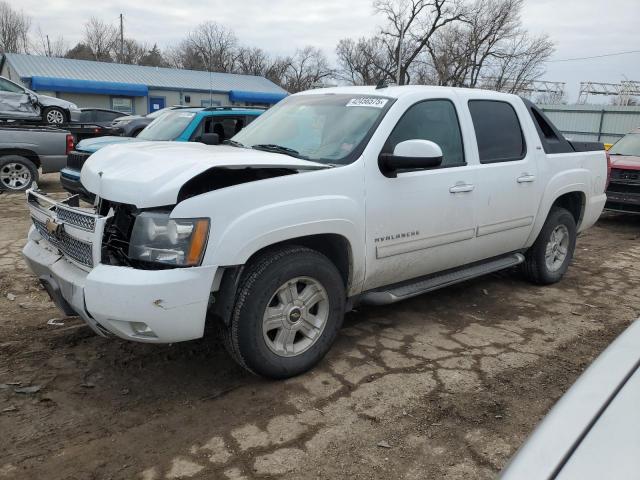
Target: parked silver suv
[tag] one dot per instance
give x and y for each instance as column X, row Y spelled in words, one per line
column 20, row 103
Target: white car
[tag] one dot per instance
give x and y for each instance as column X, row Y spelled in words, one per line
column 331, row 198
column 592, row 432
column 20, row 103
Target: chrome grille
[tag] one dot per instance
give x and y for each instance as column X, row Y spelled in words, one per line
column 75, row 218
column 630, row 176
column 76, row 249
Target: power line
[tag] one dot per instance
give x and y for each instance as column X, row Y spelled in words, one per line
column 595, row 56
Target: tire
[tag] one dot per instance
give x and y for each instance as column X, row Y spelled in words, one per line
column 54, row 115
column 548, row 259
column 295, row 339
column 17, row 173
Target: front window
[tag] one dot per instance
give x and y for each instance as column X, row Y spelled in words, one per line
column 168, row 127
column 325, row 128
column 627, row 145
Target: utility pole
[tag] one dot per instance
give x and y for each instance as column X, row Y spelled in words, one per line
column 400, row 39
column 121, row 40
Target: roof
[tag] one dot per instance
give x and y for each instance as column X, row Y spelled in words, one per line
column 395, row 91
column 212, row 112
column 28, row 66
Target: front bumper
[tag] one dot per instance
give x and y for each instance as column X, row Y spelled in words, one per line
column 623, row 198
column 153, row 306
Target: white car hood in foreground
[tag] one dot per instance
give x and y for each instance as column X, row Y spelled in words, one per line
column 592, row 432
column 150, row 174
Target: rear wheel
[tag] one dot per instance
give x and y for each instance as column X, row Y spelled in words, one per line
column 17, row 173
column 54, row 115
column 548, row 259
column 288, row 311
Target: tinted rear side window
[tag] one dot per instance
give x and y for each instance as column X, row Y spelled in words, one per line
column 498, row 131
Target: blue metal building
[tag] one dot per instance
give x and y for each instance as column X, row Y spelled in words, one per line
column 133, row 88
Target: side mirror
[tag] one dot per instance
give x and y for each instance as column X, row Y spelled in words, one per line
column 210, row 139
column 410, row 154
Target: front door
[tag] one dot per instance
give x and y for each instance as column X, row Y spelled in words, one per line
column 155, row 104
column 422, row 221
column 508, row 189
column 15, row 102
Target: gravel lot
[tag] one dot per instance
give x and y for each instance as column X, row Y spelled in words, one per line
column 447, row 385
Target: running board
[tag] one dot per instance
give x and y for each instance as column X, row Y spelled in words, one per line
column 408, row 290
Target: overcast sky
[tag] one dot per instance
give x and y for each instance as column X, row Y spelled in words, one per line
column 579, row 28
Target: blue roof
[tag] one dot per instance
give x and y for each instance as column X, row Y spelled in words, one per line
column 28, row 67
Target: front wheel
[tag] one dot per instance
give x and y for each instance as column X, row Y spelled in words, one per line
column 288, row 311
column 548, row 259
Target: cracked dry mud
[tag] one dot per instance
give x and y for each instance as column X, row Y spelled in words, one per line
column 447, row 385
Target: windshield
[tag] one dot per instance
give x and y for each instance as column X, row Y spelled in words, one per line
column 325, row 128
column 627, row 145
column 167, row 127
column 158, row 113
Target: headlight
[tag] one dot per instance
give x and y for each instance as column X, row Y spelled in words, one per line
column 172, row 241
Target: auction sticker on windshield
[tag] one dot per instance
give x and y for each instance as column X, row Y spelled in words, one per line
column 375, row 102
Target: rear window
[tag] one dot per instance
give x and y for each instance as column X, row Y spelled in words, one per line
column 498, row 131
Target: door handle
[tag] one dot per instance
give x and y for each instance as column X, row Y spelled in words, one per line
column 461, row 188
column 526, row 178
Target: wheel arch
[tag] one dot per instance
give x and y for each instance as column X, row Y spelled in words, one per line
column 573, row 197
column 22, row 152
column 335, row 247
column 574, row 202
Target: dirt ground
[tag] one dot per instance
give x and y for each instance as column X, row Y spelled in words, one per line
column 447, row 385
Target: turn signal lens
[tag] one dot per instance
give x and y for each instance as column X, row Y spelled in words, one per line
column 198, row 242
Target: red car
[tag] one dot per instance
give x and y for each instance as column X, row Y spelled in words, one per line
column 623, row 192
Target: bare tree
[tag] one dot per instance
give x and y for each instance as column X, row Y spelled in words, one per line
column 363, row 62
column 47, row 47
column 101, row 38
column 488, row 48
column 519, row 63
column 215, row 45
column 410, row 25
column 14, row 30
column 132, row 52
column 308, row 67
column 255, row 61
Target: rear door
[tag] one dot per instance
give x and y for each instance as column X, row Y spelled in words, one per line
column 15, row 102
column 508, row 188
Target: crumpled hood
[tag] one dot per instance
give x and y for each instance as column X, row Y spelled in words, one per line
column 94, row 144
column 150, row 174
column 626, row 162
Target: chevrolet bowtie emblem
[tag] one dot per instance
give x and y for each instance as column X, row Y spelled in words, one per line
column 53, row 227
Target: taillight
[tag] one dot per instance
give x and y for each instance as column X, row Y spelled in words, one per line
column 69, row 143
column 608, row 169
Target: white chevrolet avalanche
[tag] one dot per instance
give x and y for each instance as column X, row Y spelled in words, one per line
column 333, row 197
